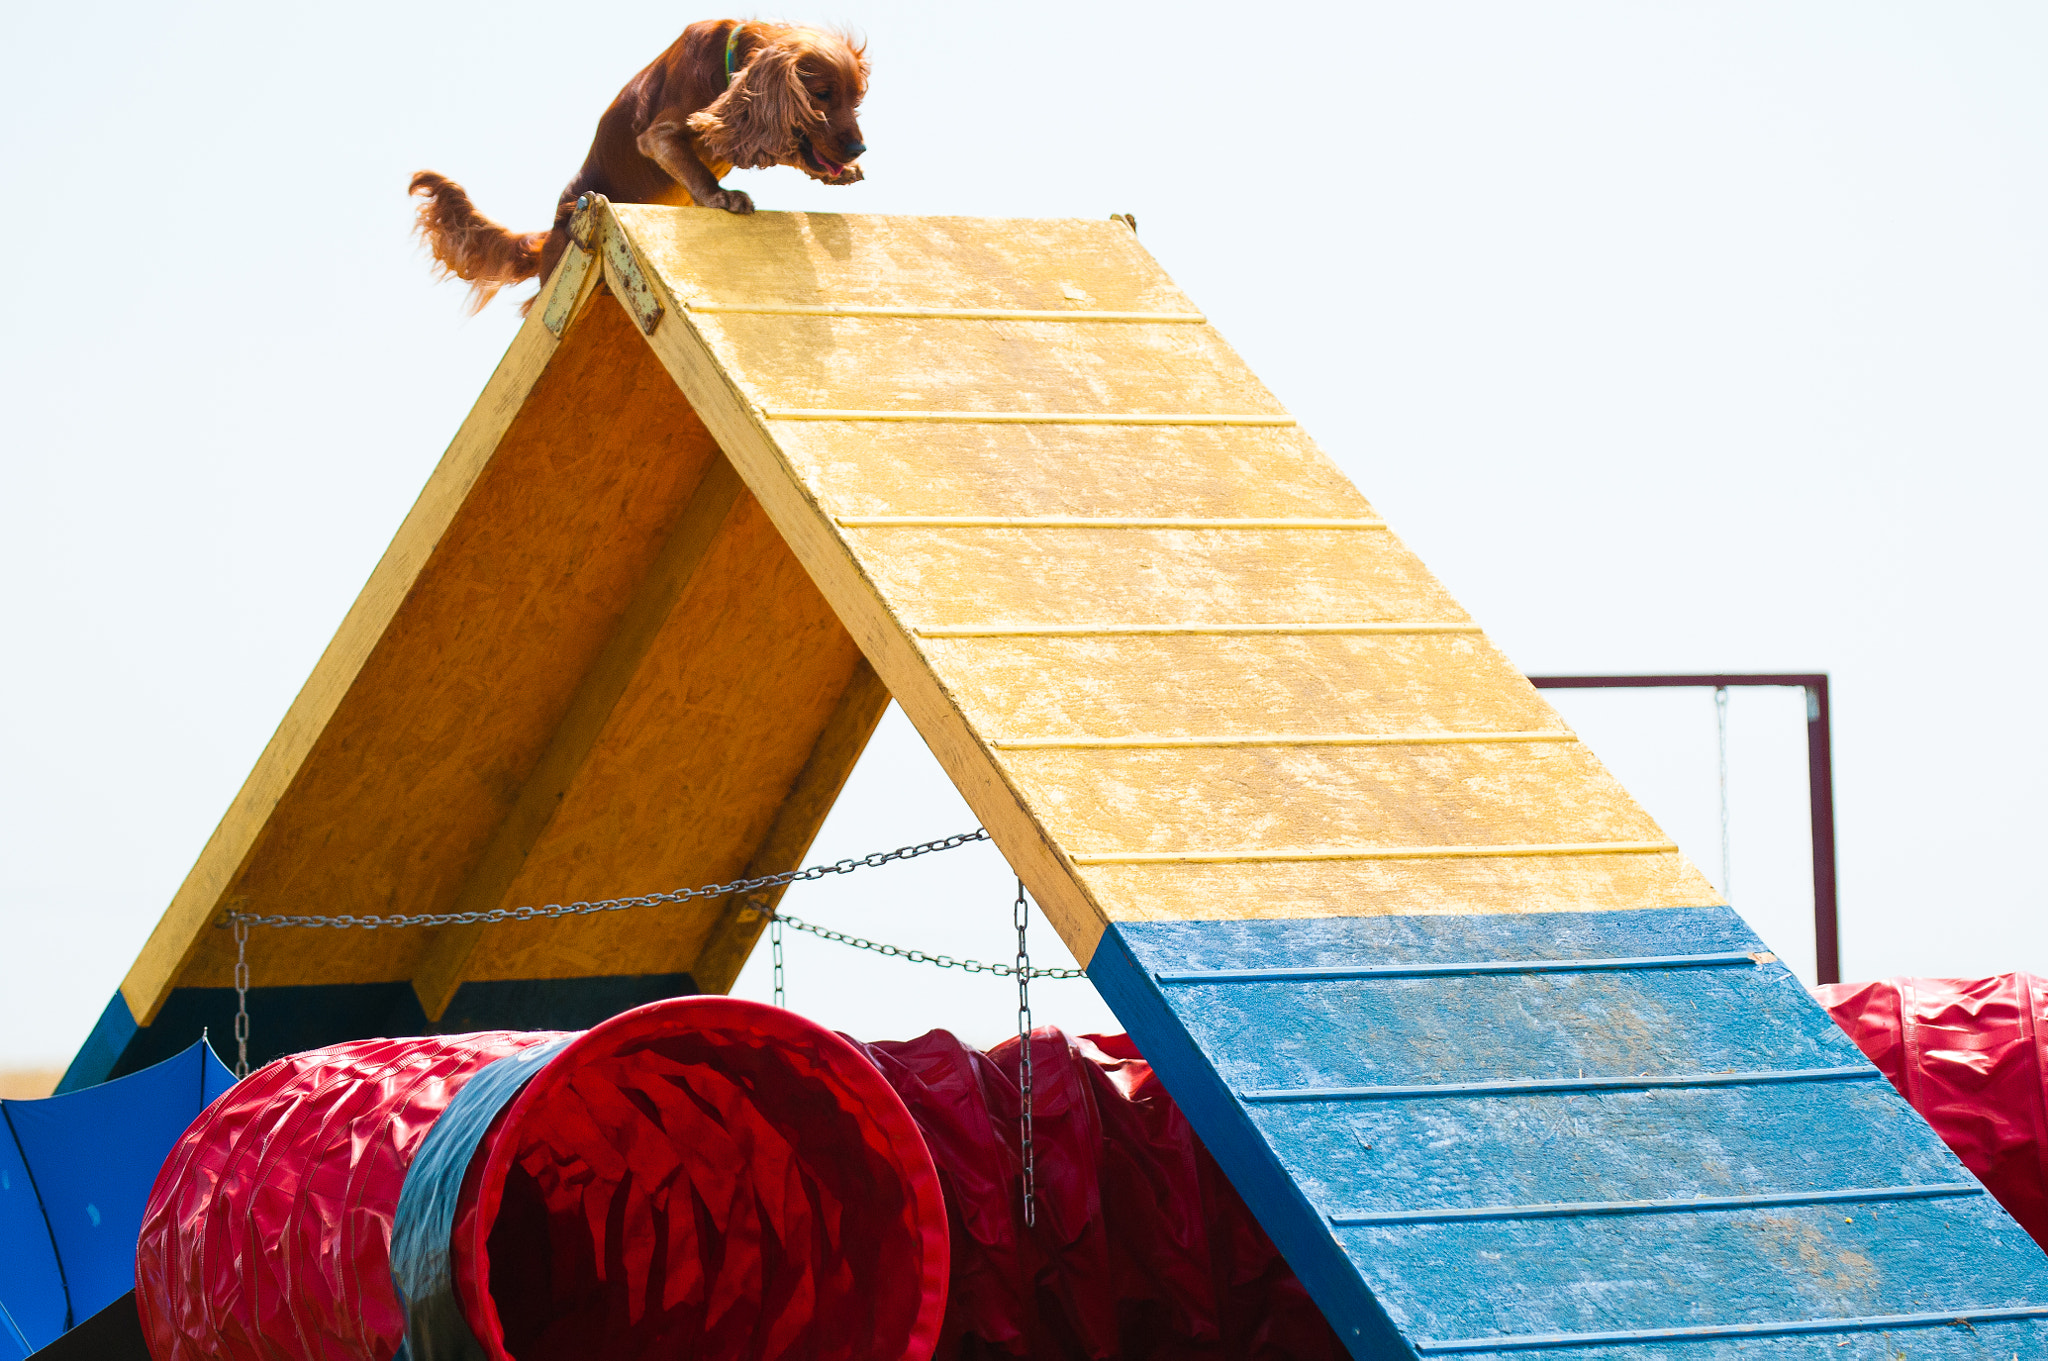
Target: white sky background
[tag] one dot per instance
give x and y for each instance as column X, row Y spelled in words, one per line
column 1673, row 337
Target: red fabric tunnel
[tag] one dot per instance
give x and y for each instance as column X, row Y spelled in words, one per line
column 1142, row 1249
column 1972, row 1058
column 711, row 1178
column 699, row 1177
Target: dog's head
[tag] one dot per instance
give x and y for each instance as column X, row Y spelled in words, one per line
column 796, row 102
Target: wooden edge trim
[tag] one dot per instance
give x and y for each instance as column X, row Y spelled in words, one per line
column 571, row 286
column 742, row 431
column 626, row 273
column 179, row 933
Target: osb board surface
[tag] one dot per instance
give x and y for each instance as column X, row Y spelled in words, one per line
column 826, row 260
column 532, row 542
column 1192, row 685
column 1279, row 799
column 692, row 765
column 909, row 469
column 955, row 577
column 1050, row 811
column 945, row 364
column 1391, row 888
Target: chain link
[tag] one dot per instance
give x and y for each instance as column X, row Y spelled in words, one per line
column 775, row 952
column 918, row 956
column 1022, row 970
column 241, row 1000
column 1021, row 915
column 579, row 909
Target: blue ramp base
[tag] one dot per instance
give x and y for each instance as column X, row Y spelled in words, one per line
column 1603, row 1135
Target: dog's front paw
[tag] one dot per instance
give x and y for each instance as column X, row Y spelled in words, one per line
column 732, row 200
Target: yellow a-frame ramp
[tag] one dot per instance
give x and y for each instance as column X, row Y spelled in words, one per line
column 1484, row 1053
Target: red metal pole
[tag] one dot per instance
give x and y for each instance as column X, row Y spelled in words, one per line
column 1820, row 783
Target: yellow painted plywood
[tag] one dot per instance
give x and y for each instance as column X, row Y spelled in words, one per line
column 934, row 364
column 1192, row 686
column 593, row 670
column 826, row 260
column 411, row 738
column 1078, row 577
column 884, row 469
column 650, row 607
column 693, row 762
column 1392, row 888
column 992, row 635
column 1283, row 799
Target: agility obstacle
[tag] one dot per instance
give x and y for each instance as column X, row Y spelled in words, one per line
column 1486, row 1056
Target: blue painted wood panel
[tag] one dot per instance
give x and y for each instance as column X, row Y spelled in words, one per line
column 1484, row 1161
column 1418, row 1155
column 1431, row 1030
column 1978, row 1340
column 1691, row 1268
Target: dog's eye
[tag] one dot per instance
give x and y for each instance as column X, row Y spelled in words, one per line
column 824, row 94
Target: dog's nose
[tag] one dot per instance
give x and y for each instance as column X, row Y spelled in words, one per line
column 854, row 149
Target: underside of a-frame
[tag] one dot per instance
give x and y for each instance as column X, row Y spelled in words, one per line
column 1489, row 1059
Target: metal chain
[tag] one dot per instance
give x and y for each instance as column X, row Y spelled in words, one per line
column 241, row 1000
column 1021, row 914
column 1721, row 727
column 579, row 909
column 1022, row 971
column 919, row 956
column 775, row 952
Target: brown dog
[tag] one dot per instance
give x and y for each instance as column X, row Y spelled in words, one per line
column 727, row 93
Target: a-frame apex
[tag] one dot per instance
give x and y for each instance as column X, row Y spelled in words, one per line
column 731, row 471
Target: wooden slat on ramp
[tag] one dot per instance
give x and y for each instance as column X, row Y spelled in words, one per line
column 1482, row 1050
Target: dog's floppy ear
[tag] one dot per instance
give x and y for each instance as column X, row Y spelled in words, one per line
column 755, row 122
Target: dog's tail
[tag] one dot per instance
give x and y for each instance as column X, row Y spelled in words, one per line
column 469, row 246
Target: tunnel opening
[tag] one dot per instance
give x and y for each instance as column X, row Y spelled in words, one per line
column 703, row 1178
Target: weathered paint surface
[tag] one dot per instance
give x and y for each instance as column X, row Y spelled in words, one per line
column 1778, row 1107
column 968, row 430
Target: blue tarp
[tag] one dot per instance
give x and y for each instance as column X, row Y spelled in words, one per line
column 75, row 1173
